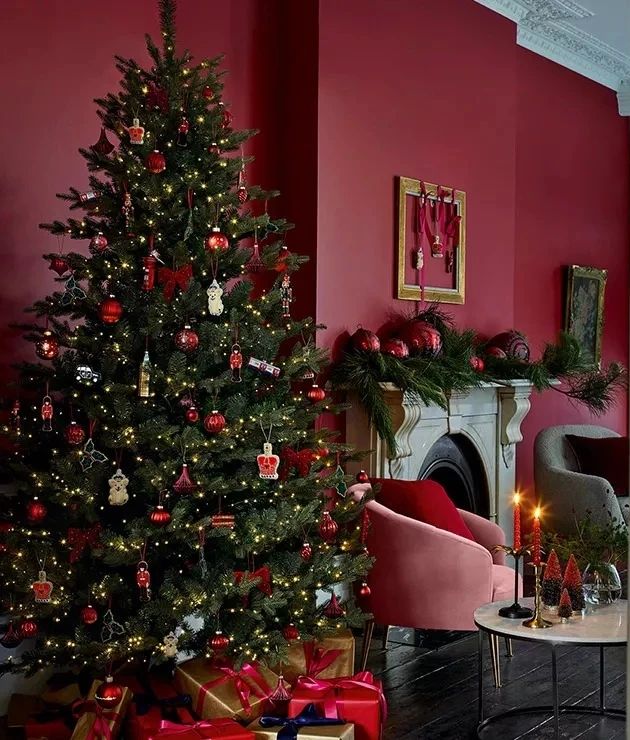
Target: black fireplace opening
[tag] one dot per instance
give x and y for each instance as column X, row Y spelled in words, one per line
column 455, row 464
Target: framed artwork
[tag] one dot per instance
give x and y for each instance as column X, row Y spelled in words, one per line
column 431, row 242
column 584, row 318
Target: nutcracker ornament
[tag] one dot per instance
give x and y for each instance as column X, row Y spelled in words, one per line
column 118, row 483
column 286, row 295
column 236, row 363
column 136, row 132
column 182, row 132
column 47, row 412
column 143, row 580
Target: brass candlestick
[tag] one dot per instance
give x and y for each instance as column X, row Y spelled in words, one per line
column 537, row 622
column 515, row 610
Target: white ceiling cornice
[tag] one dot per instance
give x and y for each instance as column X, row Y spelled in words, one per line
column 546, row 27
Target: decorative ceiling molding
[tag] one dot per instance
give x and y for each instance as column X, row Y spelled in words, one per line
column 546, row 28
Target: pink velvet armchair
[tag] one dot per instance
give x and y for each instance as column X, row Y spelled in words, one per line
column 428, row 578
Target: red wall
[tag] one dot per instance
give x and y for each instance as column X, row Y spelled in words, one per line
column 441, row 92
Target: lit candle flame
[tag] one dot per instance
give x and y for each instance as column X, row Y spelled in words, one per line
column 537, row 512
column 517, row 498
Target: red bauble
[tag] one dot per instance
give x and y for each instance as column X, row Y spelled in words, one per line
column 74, row 434
column 365, row 340
column 156, row 162
column 28, row 629
column 421, row 338
column 108, row 694
column 316, row 394
column 192, row 415
column 110, row 310
column 396, row 348
column 103, row 146
column 99, row 242
column 219, row 642
column 89, row 615
column 47, row 347
column 328, row 527
column 226, row 116
column 291, row 632
column 306, row 552
column 216, row 241
column 159, row 516
column 214, row 422
column 35, row 511
column 186, row 339
column 58, row 265
column 496, row 352
column 283, row 256
column 322, row 453
column 207, row 92
column 363, row 477
column 364, row 591
column 477, row 364
column 513, row 343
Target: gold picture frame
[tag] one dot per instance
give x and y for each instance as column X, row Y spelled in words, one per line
column 407, row 289
column 584, row 312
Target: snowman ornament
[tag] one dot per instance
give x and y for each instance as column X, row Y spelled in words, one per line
column 215, row 304
column 118, row 488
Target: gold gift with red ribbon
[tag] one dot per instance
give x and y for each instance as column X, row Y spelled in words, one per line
column 332, row 657
column 96, row 723
column 220, row 691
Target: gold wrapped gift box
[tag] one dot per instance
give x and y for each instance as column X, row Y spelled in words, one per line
column 314, row 658
column 113, row 717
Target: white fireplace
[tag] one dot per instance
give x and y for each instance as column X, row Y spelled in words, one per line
column 486, row 419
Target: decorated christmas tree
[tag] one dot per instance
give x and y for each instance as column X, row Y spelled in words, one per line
column 552, row 581
column 565, row 608
column 573, row 583
column 171, row 487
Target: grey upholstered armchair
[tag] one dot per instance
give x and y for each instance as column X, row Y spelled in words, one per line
column 565, row 490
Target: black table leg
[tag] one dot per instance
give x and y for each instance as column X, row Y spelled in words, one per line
column 602, row 683
column 480, row 651
column 554, row 687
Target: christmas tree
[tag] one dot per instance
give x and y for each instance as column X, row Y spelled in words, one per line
column 573, row 583
column 552, row 581
column 149, row 485
column 565, row 608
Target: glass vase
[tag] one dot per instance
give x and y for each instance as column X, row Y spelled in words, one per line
column 601, row 584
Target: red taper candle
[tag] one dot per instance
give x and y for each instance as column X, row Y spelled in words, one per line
column 517, row 521
column 536, row 552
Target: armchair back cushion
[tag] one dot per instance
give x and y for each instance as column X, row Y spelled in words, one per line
column 606, row 457
column 423, row 500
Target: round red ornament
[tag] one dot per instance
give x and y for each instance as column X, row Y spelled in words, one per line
column 291, row 632
column 156, row 162
column 108, row 694
column 513, row 343
column 89, row 615
column 74, row 434
column 306, row 552
column 28, row 629
column 219, row 642
column 363, row 477
column 187, row 339
column 216, row 241
column 322, row 453
column 159, row 516
column 396, row 348
column 365, row 340
column 477, row 364
column 496, row 352
column 47, row 347
column 35, row 511
column 316, row 394
column 214, row 422
column 421, row 338
column 328, row 527
column 365, row 590
column 58, row 265
column 110, row 310
column 207, row 92
column 192, row 415
column 99, row 242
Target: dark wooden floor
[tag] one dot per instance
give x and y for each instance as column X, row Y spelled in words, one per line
column 432, row 693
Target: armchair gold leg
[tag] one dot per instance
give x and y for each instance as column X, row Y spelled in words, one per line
column 368, row 631
column 385, row 636
column 508, row 647
column 494, row 655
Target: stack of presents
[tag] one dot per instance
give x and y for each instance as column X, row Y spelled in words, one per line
column 313, row 695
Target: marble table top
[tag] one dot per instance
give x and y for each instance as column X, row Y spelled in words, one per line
column 605, row 625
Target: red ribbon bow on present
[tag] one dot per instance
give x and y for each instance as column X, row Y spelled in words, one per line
column 258, row 686
column 301, row 461
column 100, row 729
column 79, row 539
column 209, row 728
column 172, row 279
column 318, row 659
column 262, row 575
column 325, row 690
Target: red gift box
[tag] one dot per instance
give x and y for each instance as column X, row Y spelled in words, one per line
column 358, row 699
column 155, row 700
column 214, row 729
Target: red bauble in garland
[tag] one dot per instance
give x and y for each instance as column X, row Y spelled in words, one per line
column 214, row 422
column 365, row 340
column 207, row 92
column 110, row 310
column 306, row 552
column 47, row 347
column 396, row 348
column 363, row 477
column 496, row 352
column 477, row 364
column 186, row 339
column 28, row 629
column 513, row 343
column 364, row 590
column 108, row 694
column 99, row 242
column 219, row 642
column 421, row 338
column 291, row 632
column 315, row 394
column 74, row 434
column 35, row 511
column 328, row 527
column 89, row 615
column 216, row 241
column 59, row 265
column 156, row 162
column 159, row 516
column 192, row 415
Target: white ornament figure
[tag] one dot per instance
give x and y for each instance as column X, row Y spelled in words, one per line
column 118, row 488
column 170, row 645
column 215, row 304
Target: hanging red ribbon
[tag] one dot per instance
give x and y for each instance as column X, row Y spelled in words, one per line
column 301, row 461
column 262, row 575
column 79, row 539
column 172, row 279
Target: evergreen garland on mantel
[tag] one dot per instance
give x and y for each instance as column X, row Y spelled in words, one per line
column 433, row 378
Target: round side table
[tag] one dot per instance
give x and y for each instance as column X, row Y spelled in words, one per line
column 604, row 627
